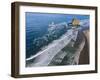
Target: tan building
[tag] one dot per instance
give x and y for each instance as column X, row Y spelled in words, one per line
column 75, row 22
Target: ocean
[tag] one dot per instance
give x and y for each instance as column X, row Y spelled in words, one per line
column 37, row 25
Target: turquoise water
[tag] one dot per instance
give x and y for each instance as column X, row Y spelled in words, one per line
column 37, row 27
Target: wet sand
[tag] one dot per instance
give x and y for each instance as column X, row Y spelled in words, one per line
column 84, row 56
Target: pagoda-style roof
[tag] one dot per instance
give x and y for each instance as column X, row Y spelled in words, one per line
column 75, row 22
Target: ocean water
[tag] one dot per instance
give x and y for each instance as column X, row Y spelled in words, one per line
column 37, row 26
